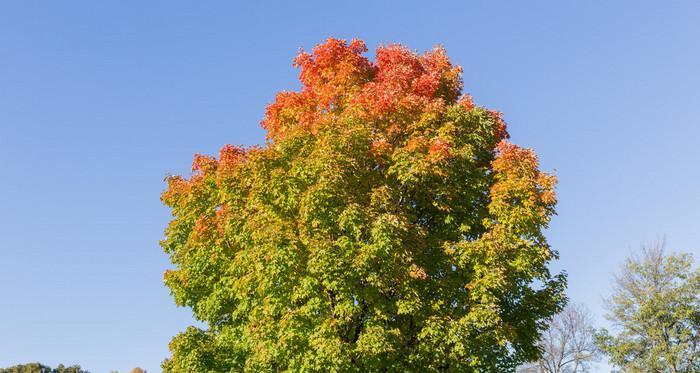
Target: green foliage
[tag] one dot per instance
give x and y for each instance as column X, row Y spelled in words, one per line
column 386, row 226
column 40, row 368
column 656, row 307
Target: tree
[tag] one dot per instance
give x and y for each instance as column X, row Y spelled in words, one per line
column 568, row 344
column 386, row 225
column 27, row 368
column 40, row 368
column 138, row 370
column 655, row 306
column 71, row 369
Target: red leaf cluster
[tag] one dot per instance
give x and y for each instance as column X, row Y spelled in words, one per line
column 338, row 80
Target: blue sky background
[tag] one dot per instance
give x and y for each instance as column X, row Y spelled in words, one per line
column 100, row 100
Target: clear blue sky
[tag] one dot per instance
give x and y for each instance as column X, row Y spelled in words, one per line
column 100, row 100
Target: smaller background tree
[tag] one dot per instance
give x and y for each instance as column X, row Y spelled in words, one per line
column 655, row 307
column 40, row 368
column 27, row 368
column 568, row 346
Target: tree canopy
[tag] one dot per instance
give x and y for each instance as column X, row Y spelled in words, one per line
column 655, row 309
column 40, row 368
column 386, row 225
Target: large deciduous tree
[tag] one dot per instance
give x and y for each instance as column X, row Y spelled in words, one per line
column 655, row 308
column 385, row 225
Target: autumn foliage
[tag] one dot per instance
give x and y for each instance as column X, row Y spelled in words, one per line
column 386, row 225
